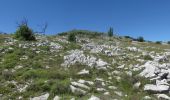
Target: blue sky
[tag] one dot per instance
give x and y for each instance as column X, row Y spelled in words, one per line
column 147, row 18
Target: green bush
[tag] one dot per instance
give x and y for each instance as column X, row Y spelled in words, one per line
column 140, row 39
column 24, row 33
column 72, row 37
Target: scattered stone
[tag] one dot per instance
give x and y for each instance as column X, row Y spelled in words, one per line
column 118, row 93
column 80, row 85
column 129, row 73
column 156, row 88
column 86, row 82
column 94, row 98
column 106, row 93
column 132, row 49
column 101, row 89
column 24, row 58
column 18, row 67
column 77, row 91
column 101, row 63
column 42, row 97
column 121, row 67
column 112, row 87
column 72, row 99
column 137, row 85
column 147, row 98
column 22, row 89
column 163, row 97
column 83, row 72
column 56, row 98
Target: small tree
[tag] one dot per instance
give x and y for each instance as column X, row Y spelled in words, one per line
column 140, row 39
column 110, row 32
column 24, row 32
column 168, row 42
column 72, row 37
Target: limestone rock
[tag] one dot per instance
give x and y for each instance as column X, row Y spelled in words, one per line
column 42, row 97
column 156, row 88
column 94, row 98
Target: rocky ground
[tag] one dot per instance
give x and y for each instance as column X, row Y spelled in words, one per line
column 99, row 68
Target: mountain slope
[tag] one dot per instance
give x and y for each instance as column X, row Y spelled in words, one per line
column 99, row 68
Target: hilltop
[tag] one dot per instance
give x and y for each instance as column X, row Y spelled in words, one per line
column 95, row 67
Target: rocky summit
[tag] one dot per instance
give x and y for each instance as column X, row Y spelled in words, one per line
column 92, row 68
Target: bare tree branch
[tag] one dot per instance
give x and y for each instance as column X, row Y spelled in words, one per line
column 23, row 22
column 43, row 28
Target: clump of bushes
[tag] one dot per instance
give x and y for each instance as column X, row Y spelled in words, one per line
column 139, row 39
column 158, row 42
column 24, row 32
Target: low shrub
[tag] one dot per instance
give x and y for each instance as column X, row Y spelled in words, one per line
column 24, row 33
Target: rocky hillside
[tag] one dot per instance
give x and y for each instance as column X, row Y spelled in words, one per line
column 93, row 68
